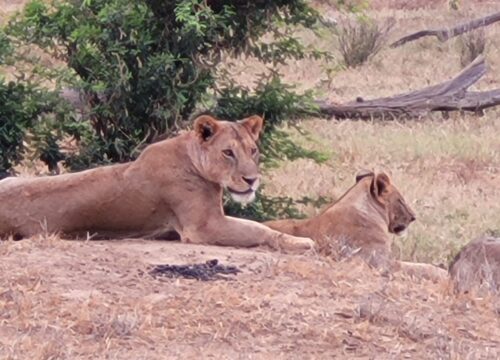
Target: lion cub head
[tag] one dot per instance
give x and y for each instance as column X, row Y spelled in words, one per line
column 398, row 214
column 228, row 154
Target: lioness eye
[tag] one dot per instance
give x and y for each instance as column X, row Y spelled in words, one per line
column 228, row 153
column 254, row 151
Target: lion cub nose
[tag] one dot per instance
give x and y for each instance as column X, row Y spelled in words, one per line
column 249, row 181
column 412, row 218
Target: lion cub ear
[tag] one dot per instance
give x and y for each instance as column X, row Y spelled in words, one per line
column 362, row 174
column 380, row 184
column 206, row 127
column 254, row 125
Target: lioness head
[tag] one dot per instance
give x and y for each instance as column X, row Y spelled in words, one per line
column 229, row 154
column 398, row 214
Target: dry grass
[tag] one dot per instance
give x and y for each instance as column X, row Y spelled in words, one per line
column 9, row 7
column 360, row 39
column 471, row 45
column 76, row 300
column 80, row 300
column 449, row 170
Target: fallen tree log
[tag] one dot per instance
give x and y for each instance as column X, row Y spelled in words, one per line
column 451, row 95
column 445, row 34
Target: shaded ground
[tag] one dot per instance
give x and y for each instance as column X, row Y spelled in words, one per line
column 74, row 300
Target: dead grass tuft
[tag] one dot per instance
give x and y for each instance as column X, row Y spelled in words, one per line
column 109, row 326
column 361, row 38
column 471, row 45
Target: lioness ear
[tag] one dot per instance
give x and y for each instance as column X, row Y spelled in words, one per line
column 362, row 174
column 205, row 127
column 254, row 125
column 380, row 184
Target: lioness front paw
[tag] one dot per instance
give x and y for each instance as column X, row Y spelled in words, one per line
column 298, row 243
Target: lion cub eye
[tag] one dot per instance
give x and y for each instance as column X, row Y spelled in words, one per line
column 253, row 151
column 228, row 153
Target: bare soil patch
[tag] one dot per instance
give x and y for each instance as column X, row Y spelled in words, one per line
column 78, row 300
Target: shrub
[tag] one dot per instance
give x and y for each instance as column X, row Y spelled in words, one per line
column 361, row 38
column 23, row 109
column 278, row 103
column 144, row 66
column 14, row 118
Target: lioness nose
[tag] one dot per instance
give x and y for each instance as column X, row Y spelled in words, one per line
column 249, row 181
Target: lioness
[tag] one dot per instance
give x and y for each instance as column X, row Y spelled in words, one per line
column 360, row 222
column 174, row 184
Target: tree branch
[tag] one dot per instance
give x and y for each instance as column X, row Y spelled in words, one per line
column 445, row 34
column 450, row 95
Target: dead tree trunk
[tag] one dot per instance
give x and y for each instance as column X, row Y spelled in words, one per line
column 445, row 34
column 448, row 96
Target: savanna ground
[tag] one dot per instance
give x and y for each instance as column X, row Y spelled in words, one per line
column 68, row 299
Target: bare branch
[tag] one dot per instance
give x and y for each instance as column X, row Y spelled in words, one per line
column 448, row 96
column 445, row 34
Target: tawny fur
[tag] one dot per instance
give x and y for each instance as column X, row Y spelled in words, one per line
column 175, row 184
column 361, row 221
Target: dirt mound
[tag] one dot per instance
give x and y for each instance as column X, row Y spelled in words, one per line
column 73, row 300
column 477, row 266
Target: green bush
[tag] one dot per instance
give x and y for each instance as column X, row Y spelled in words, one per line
column 23, row 108
column 15, row 116
column 142, row 68
column 143, row 65
column 278, row 103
